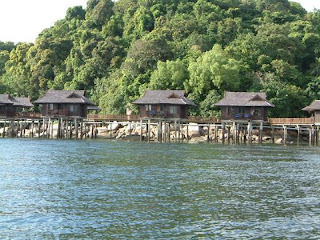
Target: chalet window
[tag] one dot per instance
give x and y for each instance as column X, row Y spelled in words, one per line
column 256, row 112
column 71, row 108
column 50, row 106
column 148, row 107
column 173, row 109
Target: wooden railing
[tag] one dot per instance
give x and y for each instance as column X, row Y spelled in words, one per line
column 111, row 117
column 123, row 117
column 199, row 119
column 291, row 120
column 28, row 115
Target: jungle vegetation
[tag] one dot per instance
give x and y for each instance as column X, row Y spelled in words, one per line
column 117, row 50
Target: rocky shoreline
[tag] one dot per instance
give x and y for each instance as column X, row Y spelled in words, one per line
column 134, row 132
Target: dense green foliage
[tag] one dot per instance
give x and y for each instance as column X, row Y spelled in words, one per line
column 116, row 50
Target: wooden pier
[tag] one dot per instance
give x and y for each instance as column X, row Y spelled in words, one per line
column 276, row 130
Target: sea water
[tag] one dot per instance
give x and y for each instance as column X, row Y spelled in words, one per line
column 56, row 189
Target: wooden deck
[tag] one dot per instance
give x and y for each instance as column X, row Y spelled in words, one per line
column 291, row 121
column 123, row 117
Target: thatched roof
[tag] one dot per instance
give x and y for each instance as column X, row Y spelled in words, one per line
column 6, row 99
column 244, row 99
column 64, row 96
column 15, row 101
column 314, row 106
column 172, row 97
column 22, row 102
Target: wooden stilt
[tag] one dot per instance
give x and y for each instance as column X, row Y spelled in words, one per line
column 179, row 131
column 310, row 136
column 4, row 128
column 169, row 131
column 223, row 132
column 285, row 135
column 39, row 128
column 298, row 135
column 76, row 128
column 228, row 134
column 260, row 132
column 175, row 130
column 81, row 129
column 234, row 132
column 250, row 128
column 141, row 137
column 215, row 133
column 187, row 132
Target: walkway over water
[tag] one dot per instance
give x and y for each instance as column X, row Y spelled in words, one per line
column 161, row 130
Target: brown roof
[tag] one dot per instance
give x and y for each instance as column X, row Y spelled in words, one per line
column 15, row 101
column 22, row 102
column 314, row 106
column 244, row 99
column 64, row 96
column 6, row 99
column 173, row 97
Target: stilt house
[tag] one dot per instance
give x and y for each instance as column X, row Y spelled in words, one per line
column 10, row 106
column 314, row 110
column 59, row 103
column 244, row 106
column 164, row 104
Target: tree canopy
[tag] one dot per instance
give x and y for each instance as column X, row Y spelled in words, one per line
column 117, row 49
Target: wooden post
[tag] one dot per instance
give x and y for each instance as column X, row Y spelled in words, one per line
column 228, row 133
column 59, row 129
column 215, row 133
column 179, row 131
column 148, row 129
column 187, row 132
column 260, row 132
column 81, row 129
column 52, row 124
column 310, row 136
column 169, row 130
column 234, row 132
column 223, row 132
column 141, row 130
column 159, row 132
column 285, row 135
column 76, row 128
column 208, row 137
column 250, row 132
column 91, row 126
column 318, row 135
column 298, row 135
column 237, row 133
column 175, row 130
column 4, row 128
column 12, row 128
column 164, row 139
column 32, row 127
column 39, row 128
column 21, row 129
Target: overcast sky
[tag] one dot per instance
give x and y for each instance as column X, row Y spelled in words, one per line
column 23, row 20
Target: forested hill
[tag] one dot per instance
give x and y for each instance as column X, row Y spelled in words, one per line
column 116, row 50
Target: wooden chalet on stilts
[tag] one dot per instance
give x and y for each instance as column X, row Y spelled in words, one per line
column 164, row 104
column 64, row 103
column 11, row 106
column 244, row 106
column 314, row 110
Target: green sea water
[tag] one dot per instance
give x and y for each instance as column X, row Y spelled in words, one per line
column 52, row 189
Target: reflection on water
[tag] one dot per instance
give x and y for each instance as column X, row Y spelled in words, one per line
column 105, row 189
